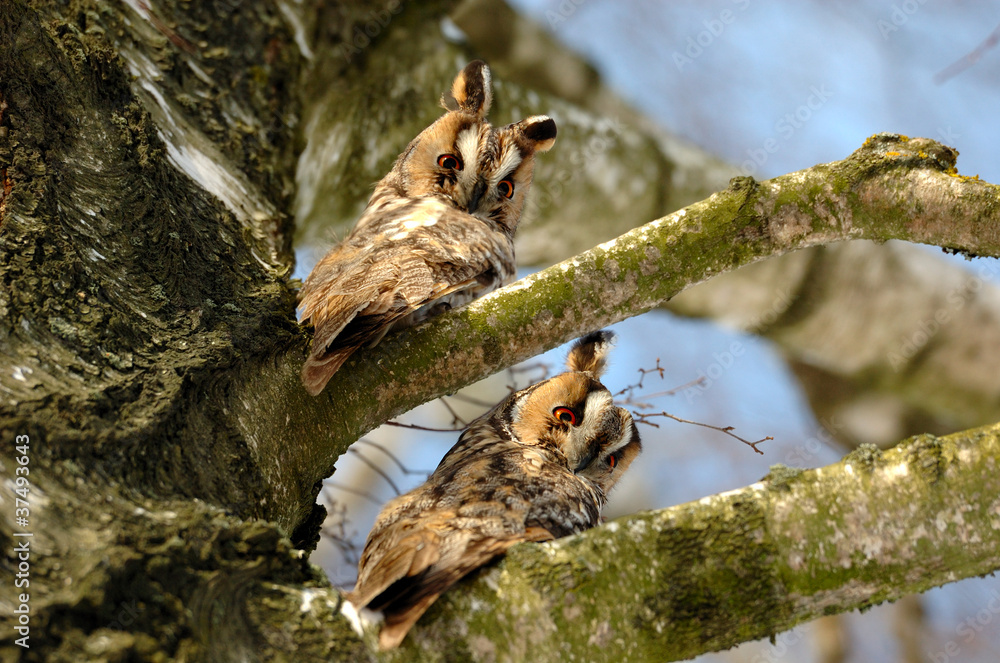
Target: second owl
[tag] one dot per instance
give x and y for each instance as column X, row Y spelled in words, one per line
column 437, row 232
column 538, row 466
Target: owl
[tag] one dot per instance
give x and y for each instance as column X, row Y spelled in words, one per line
column 538, row 466
column 437, row 233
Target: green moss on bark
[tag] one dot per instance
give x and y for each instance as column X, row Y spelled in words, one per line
column 704, row 576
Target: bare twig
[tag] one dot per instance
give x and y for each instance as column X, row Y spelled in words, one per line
column 469, row 399
column 335, row 531
column 628, row 392
column 632, row 401
column 972, row 58
column 628, row 389
column 527, row 368
column 643, row 418
column 400, row 424
column 455, row 419
column 643, row 372
column 354, row 491
column 670, row 392
column 392, row 456
column 378, row 470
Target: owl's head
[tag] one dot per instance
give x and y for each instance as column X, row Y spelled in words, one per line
column 575, row 413
column 483, row 170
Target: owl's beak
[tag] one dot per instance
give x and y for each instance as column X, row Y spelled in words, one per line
column 587, row 459
column 476, row 196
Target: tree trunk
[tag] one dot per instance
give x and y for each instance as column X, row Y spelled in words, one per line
column 153, row 425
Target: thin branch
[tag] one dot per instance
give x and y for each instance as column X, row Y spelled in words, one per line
column 630, row 398
column 970, row 59
column 643, row 372
column 354, row 491
column 403, row 468
column 378, row 470
column 471, row 400
column 430, row 429
column 643, row 418
column 455, row 419
column 512, row 372
column 671, row 392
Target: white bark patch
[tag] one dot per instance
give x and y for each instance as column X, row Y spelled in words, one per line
column 359, row 619
column 191, row 152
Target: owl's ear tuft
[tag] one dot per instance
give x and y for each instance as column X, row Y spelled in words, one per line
column 540, row 130
column 590, row 353
column 472, row 91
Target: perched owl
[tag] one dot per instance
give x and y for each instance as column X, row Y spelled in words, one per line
column 437, row 233
column 538, row 466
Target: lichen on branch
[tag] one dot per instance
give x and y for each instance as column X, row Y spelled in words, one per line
column 704, row 576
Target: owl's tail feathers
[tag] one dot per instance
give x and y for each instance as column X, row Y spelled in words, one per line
column 398, row 624
column 433, row 581
column 318, row 369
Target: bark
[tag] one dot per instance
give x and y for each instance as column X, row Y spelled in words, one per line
column 144, row 251
column 704, row 576
column 150, row 354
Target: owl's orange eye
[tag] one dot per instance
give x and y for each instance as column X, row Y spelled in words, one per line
column 449, row 161
column 612, row 461
column 565, row 415
column 506, row 188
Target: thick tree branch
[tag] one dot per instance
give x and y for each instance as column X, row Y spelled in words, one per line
column 671, row 584
column 698, row 577
column 892, row 187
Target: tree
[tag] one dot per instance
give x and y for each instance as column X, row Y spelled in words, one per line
column 151, row 356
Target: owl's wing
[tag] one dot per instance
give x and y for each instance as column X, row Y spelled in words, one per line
column 420, row 568
column 416, row 551
column 412, row 262
column 410, row 605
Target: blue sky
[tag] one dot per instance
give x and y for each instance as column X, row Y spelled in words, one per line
column 876, row 63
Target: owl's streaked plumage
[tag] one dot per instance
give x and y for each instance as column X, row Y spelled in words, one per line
column 538, row 466
column 437, row 233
